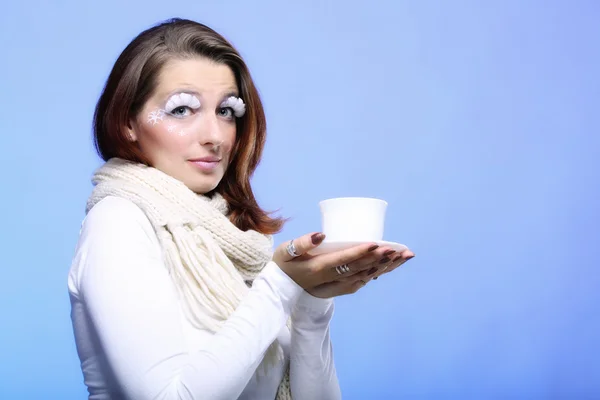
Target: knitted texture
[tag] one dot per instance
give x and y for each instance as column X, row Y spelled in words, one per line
column 209, row 259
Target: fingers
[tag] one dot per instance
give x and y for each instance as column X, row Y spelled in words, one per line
column 353, row 283
column 372, row 262
column 299, row 246
column 370, row 259
column 366, row 275
column 358, row 281
column 328, row 262
column 395, row 263
column 338, row 288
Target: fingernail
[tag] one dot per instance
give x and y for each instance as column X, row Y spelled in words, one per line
column 375, row 278
column 372, row 271
column 384, row 260
column 317, row 238
column 387, row 253
column 398, row 258
column 372, row 248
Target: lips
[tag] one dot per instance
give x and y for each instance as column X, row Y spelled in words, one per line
column 206, row 159
column 206, row 164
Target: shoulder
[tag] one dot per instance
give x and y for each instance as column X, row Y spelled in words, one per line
column 115, row 220
column 113, row 232
column 114, row 210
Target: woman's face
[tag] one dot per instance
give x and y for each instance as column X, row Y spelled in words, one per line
column 187, row 128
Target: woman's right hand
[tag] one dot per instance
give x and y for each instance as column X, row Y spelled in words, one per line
column 311, row 271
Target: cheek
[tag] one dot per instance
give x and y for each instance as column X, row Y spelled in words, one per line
column 229, row 139
column 162, row 132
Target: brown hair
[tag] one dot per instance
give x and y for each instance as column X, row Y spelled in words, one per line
column 133, row 80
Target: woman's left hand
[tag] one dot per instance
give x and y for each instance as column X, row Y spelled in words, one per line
column 395, row 263
column 352, row 283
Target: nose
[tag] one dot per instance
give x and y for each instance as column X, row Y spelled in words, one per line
column 210, row 134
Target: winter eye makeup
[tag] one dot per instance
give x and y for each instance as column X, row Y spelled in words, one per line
column 180, row 105
column 236, row 105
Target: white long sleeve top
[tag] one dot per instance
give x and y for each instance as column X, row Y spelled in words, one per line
column 134, row 342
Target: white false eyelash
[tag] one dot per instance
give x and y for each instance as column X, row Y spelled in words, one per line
column 236, row 104
column 182, row 99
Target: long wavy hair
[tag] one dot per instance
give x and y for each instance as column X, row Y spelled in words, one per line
column 133, row 80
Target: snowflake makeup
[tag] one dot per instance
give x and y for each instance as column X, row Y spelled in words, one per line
column 236, row 104
column 155, row 116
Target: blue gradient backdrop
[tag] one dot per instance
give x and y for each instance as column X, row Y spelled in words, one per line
column 478, row 121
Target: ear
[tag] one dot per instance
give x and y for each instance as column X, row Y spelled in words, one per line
column 130, row 131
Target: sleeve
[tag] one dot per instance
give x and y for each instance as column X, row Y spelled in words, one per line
column 312, row 370
column 133, row 306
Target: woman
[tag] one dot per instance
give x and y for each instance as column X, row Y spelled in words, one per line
column 175, row 291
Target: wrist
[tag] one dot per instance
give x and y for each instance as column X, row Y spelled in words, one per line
column 313, row 304
column 310, row 313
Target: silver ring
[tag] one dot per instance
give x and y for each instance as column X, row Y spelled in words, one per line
column 291, row 249
column 342, row 269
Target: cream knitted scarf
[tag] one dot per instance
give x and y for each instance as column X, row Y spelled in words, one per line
column 210, row 260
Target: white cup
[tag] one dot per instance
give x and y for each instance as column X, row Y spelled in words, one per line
column 353, row 219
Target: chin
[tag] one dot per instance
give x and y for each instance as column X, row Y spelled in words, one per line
column 207, row 185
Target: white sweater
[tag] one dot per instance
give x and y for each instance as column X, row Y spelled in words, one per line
column 134, row 342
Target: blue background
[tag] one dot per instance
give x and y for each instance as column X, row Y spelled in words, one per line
column 478, row 121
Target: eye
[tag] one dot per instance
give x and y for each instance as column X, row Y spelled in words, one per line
column 181, row 111
column 226, row 112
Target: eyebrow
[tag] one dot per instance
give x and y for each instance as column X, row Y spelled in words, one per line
column 189, row 90
column 230, row 94
column 181, row 90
